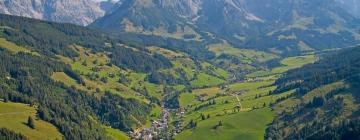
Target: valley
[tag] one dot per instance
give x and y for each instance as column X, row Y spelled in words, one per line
column 179, row 69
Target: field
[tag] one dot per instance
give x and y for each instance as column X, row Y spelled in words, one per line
column 242, row 125
column 62, row 77
column 245, row 54
column 206, row 80
column 186, row 99
column 116, row 134
column 13, row 47
column 288, row 64
column 14, row 116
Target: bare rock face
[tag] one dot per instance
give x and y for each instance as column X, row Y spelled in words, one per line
column 352, row 6
column 81, row 12
column 183, row 8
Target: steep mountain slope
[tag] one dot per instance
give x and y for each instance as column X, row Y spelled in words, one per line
column 352, row 6
column 274, row 25
column 139, row 15
column 81, row 12
column 326, row 102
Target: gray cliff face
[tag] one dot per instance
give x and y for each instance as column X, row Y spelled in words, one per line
column 81, row 12
column 352, row 6
column 183, row 8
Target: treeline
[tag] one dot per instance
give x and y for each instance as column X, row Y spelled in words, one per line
column 195, row 49
column 26, row 78
column 6, row 134
column 168, row 78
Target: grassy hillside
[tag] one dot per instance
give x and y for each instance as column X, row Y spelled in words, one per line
column 288, row 64
column 244, row 109
column 249, row 122
column 14, row 116
column 242, row 125
column 116, row 134
column 326, row 92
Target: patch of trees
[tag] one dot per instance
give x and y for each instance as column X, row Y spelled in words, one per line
column 211, row 102
column 219, row 124
column 6, row 134
column 124, row 79
column 31, row 122
column 138, row 61
column 315, row 102
column 116, row 112
column 189, row 36
column 171, row 98
column 72, row 74
column 165, row 77
column 192, row 124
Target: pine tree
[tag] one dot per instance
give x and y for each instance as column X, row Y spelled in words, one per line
column 220, row 123
column 203, row 117
column 31, row 122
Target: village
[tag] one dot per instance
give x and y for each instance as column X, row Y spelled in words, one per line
column 159, row 128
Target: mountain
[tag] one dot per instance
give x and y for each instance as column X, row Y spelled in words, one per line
column 81, row 12
column 277, row 26
column 110, row 5
column 326, row 99
column 180, row 69
column 35, row 62
column 352, row 6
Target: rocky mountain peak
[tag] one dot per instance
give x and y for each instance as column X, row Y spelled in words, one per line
column 81, row 12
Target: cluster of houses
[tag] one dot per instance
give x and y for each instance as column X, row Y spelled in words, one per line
column 180, row 121
column 158, row 127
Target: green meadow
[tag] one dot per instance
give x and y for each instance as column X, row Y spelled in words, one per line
column 287, row 64
column 14, row 116
column 253, row 97
column 243, row 125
